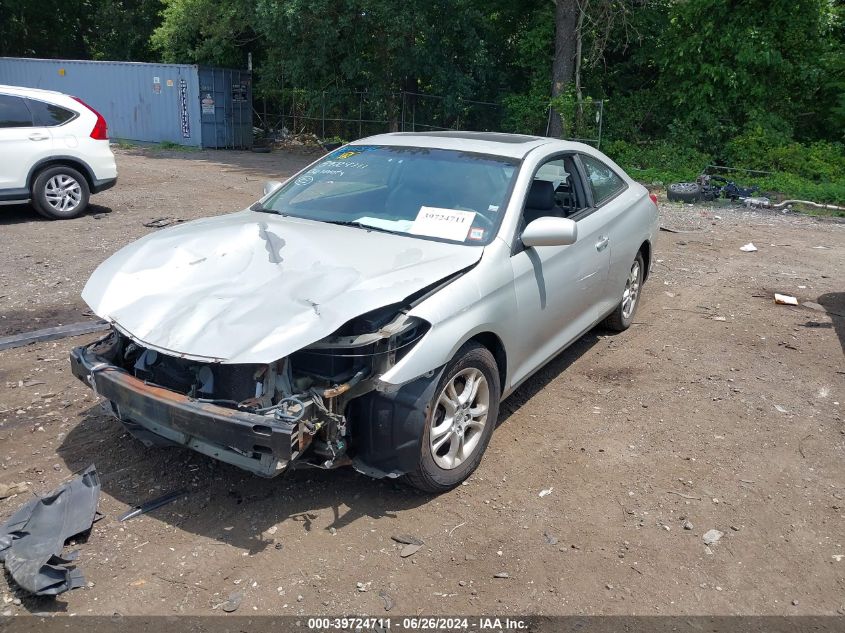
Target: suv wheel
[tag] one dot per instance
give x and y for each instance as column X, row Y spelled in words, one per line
column 464, row 411
column 60, row 193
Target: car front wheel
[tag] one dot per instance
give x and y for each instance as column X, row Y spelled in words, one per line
column 463, row 414
column 60, row 193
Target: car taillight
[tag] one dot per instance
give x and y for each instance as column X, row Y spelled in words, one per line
column 653, row 197
column 100, row 131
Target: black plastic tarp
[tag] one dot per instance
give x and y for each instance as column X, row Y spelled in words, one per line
column 32, row 540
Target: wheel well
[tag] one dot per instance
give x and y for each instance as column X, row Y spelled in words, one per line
column 494, row 344
column 645, row 250
column 79, row 166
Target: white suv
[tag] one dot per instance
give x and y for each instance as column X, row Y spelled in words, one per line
column 54, row 151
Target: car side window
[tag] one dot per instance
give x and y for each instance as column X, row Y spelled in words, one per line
column 604, row 182
column 554, row 192
column 48, row 114
column 13, row 112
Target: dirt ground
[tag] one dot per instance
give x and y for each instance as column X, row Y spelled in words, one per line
column 717, row 407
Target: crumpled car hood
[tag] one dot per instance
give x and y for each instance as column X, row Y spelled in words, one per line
column 254, row 287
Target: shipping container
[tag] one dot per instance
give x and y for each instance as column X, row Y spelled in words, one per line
column 198, row 106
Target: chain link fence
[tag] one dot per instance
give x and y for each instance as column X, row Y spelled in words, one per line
column 348, row 115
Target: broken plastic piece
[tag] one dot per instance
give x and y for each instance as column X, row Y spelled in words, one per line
column 31, row 541
column 785, row 300
column 748, row 248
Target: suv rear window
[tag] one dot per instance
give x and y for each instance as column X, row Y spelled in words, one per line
column 13, row 112
column 48, row 114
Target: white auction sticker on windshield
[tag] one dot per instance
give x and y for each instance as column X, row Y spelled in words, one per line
column 448, row 224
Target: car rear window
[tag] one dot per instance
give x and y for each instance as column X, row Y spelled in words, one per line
column 48, row 114
column 603, row 180
column 13, row 112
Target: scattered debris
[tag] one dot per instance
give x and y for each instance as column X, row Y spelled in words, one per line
column 406, row 539
column 501, row 574
column 681, row 494
column 712, row 536
column 409, row 550
column 550, row 539
column 159, row 223
column 838, row 557
column 51, row 333
column 232, row 603
column 388, row 601
column 748, row 248
column 7, row 490
column 780, row 409
column 546, row 492
column 363, row 587
column 687, row 525
column 765, row 203
column 456, row 527
column 31, row 541
column 153, row 504
column 786, row 300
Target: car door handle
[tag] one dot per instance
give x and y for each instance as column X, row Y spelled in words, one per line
column 604, row 240
column 37, row 136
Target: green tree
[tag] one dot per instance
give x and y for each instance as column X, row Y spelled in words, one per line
column 78, row 29
column 726, row 65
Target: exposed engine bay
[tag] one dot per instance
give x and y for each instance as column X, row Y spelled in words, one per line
column 311, row 389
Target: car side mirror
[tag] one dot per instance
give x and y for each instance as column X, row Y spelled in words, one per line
column 270, row 186
column 550, row 231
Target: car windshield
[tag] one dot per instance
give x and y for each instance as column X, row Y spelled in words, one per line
column 429, row 193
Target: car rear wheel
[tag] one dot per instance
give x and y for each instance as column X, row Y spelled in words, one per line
column 463, row 414
column 60, row 193
column 621, row 318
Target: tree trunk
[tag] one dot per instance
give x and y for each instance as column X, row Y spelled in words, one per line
column 563, row 66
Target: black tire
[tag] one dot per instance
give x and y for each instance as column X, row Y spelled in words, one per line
column 431, row 477
column 620, row 319
column 49, row 204
column 684, row 192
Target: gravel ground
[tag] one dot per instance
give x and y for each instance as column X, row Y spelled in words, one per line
column 717, row 410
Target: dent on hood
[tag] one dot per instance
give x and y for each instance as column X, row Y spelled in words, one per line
column 253, row 288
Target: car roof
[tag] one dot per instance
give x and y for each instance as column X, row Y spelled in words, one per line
column 19, row 90
column 495, row 143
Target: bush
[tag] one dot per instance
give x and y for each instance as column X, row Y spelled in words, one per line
column 820, row 162
column 658, row 161
column 814, row 172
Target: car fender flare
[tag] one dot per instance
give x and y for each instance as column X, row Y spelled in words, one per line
column 61, row 159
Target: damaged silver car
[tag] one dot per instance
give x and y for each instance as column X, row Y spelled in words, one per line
column 375, row 309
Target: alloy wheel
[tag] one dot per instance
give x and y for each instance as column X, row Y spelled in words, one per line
column 459, row 418
column 632, row 291
column 63, row 193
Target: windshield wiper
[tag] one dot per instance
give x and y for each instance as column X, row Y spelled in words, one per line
column 260, row 208
column 363, row 225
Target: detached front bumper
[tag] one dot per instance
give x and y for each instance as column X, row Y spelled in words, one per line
column 257, row 443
